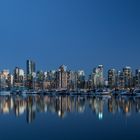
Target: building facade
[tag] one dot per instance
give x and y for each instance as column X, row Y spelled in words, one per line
column 62, row 78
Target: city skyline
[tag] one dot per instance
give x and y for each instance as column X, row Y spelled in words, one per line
column 76, row 33
column 86, row 70
column 69, row 69
column 67, row 79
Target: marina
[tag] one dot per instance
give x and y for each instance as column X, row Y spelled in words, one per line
column 95, row 92
column 69, row 70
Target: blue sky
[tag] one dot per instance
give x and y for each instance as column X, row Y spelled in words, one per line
column 77, row 33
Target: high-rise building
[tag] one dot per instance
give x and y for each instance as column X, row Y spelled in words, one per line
column 81, row 79
column 50, row 80
column 137, row 78
column 4, row 79
column 90, row 82
column 112, row 78
column 98, row 77
column 72, row 80
column 5, row 73
column 10, row 80
column 120, row 79
column 30, row 77
column 62, row 77
column 39, row 80
column 19, row 77
column 128, row 77
column 31, row 67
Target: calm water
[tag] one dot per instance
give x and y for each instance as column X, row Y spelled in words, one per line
column 69, row 117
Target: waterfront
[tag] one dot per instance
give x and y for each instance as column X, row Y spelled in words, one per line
column 69, row 117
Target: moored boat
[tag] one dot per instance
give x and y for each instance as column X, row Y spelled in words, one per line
column 136, row 92
column 4, row 93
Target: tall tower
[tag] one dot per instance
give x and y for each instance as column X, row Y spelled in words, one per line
column 18, row 77
column 98, row 76
column 112, row 78
column 62, row 78
column 137, row 78
column 31, row 67
column 127, row 73
column 81, row 79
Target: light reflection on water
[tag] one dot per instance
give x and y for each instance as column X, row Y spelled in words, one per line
column 62, row 106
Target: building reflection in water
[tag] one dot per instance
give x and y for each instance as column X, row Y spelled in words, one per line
column 63, row 105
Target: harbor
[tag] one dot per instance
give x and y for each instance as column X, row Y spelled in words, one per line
column 95, row 92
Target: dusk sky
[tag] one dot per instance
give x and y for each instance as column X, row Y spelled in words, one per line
column 78, row 33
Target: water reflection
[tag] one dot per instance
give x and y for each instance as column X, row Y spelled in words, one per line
column 63, row 105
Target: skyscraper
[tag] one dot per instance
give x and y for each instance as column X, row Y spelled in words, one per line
column 98, row 77
column 128, row 77
column 112, row 78
column 137, row 78
column 4, row 79
column 81, row 79
column 51, row 79
column 18, row 76
column 31, row 67
column 72, row 80
column 62, row 77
